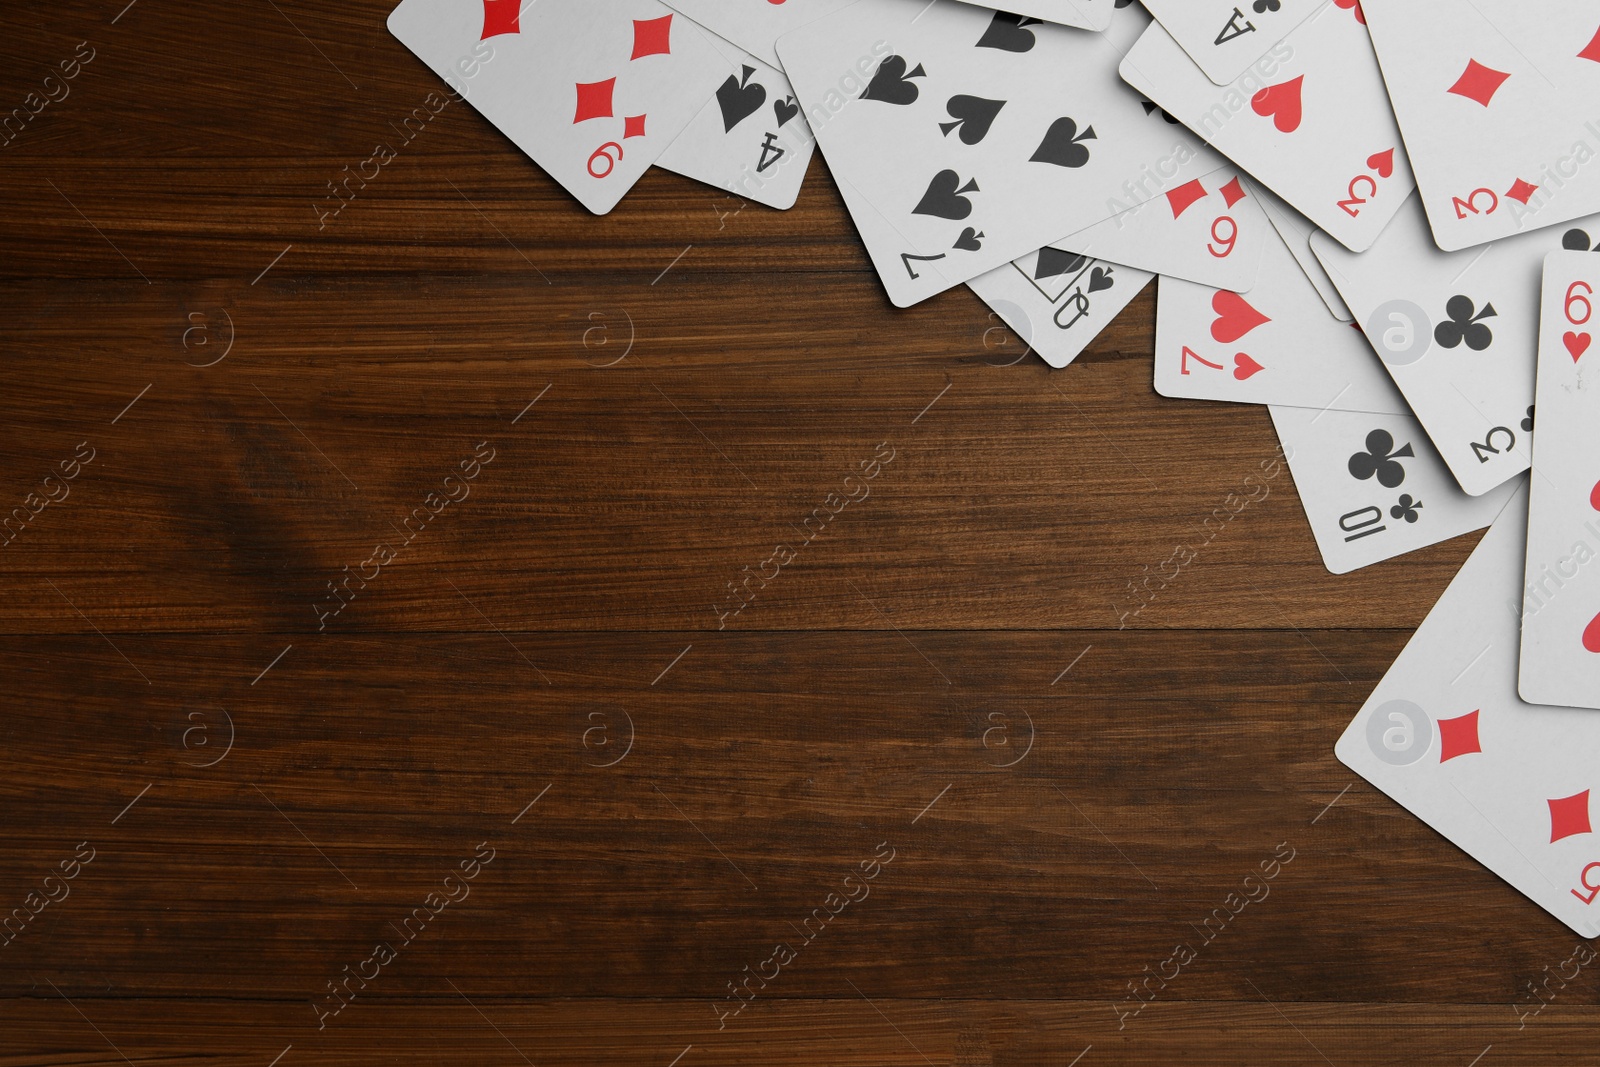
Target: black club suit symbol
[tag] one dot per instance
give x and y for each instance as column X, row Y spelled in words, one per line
column 1381, row 460
column 1463, row 325
column 1263, row 6
column 1406, row 508
column 1527, row 422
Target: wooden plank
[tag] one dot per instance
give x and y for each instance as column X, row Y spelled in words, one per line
column 632, row 495
column 1164, row 769
column 849, row 1028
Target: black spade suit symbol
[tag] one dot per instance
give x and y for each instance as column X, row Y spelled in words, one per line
column 944, row 198
column 970, row 240
column 974, row 114
column 1061, row 146
column 739, row 98
column 1054, row 262
column 1006, row 33
column 784, row 110
column 889, row 83
column 1100, row 278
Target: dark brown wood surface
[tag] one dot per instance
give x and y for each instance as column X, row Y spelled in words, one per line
column 951, row 674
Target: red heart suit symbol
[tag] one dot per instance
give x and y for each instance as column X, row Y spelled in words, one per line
column 1594, row 497
column 1361, row 16
column 1244, row 366
column 1591, row 635
column 1382, row 162
column 1281, row 104
column 1577, row 343
column 1235, row 316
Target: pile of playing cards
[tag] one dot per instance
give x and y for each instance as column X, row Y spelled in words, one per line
column 1354, row 207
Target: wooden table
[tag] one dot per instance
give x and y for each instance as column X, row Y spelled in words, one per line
column 395, row 607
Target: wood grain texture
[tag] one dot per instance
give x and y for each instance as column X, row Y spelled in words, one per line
column 549, row 667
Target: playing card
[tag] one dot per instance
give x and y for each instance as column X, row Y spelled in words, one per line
column 1561, row 593
column 1309, row 120
column 1498, row 105
column 1058, row 302
column 756, row 25
column 592, row 90
column 1447, row 737
column 1223, row 38
column 1210, row 229
column 977, row 138
column 1275, row 345
column 1087, row 14
column 750, row 138
column 1373, row 487
column 1296, row 230
column 1457, row 331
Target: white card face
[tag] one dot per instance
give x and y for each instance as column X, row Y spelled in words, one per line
column 1057, row 302
column 1296, row 230
column 756, row 25
column 750, row 138
column 1497, row 103
column 1086, row 14
column 1446, row 736
column 1275, row 345
column 1224, row 39
column 1211, row 230
column 1458, row 333
column 977, row 138
column 1561, row 588
column 592, row 90
column 1310, row 121
column 1373, row 487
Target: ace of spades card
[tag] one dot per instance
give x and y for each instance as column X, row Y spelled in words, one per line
column 1499, row 102
column 1223, row 37
column 750, row 138
column 592, row 90
column 1446, row 736
column 976, row 136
